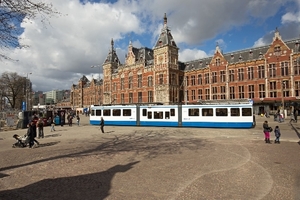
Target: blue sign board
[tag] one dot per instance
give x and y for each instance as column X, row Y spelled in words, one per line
column 24, row 106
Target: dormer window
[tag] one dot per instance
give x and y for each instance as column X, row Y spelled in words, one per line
column 277, row 50
column 260, row 55
column 240, row 58
column 218, row 62
column 250, row 54
column 160, row 42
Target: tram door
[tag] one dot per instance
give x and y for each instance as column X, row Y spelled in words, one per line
column 138, row 118
column 179, row 115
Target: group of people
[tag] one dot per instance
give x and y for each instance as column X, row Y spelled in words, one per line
column 267, row 130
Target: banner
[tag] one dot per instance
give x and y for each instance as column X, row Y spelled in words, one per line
column 24, row 106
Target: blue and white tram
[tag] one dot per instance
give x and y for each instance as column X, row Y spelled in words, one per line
column 218, row 116
column 209, row 116
column 114, row 115
column 158, row 115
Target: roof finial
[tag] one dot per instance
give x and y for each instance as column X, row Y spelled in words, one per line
column 112, row 44
column 165, row 20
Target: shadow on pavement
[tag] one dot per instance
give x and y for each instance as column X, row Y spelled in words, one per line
column 47, row 144
column 89, row 186
column 53, row 135
column 149, row 145
column 3, row 175
column 295, row 129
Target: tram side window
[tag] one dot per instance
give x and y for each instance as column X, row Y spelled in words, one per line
column 126, row 112
column 98, row 112
column 194, row 112
column 221, row 112
column 207, row 112
column 93, row 113
column 158, row 115
column 235, row 112
column 246, row 112
column 172, row 112
column 149, row 115
column 106, row 112
column 116, row 112
column 167, row 115
column 144, row 112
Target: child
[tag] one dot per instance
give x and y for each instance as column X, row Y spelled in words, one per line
column 78, row 119
column 277, row 134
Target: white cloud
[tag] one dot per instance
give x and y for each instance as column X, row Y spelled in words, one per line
column 259, row 42
column 290, row 17
column 191, row 54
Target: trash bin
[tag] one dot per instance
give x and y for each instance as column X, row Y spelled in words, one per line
column 57, row 120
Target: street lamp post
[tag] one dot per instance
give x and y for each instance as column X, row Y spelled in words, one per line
column 282, row 96
column 26, row 91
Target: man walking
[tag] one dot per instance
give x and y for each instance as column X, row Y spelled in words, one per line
column 102, row 125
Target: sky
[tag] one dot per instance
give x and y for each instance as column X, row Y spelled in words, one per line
column 64, row 47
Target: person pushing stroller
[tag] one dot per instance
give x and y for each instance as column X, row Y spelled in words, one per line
column 31, row 133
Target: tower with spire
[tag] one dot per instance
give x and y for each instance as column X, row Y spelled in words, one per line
column 166, row 69
column 110, row 65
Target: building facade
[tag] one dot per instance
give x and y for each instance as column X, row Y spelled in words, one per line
column 268, row 75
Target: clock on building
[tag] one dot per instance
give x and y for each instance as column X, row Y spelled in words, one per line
column 160, row 59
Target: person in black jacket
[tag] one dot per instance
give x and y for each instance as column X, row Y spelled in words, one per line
column 31, row 134
column 102, row 125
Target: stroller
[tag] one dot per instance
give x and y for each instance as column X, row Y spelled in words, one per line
column 21, row 141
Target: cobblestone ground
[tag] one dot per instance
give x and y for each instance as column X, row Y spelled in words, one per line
column 151, row 163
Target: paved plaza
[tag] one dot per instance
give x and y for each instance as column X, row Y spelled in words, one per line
column 152, row 163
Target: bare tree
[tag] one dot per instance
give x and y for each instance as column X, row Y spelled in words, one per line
column 13, row 88
column 12, row 13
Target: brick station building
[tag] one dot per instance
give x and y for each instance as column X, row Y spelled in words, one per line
column 269, row 75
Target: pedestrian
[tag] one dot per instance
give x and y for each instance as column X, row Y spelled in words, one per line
column 292, row 118
column 52, row 125
column 296, row 115
column 78, row 119
column 281, row 117
column 40, row 125
column 31, row 133
column 277, row 134
column 102, row 125
column 62, row 121
column 70, row 120
column 267, row 131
